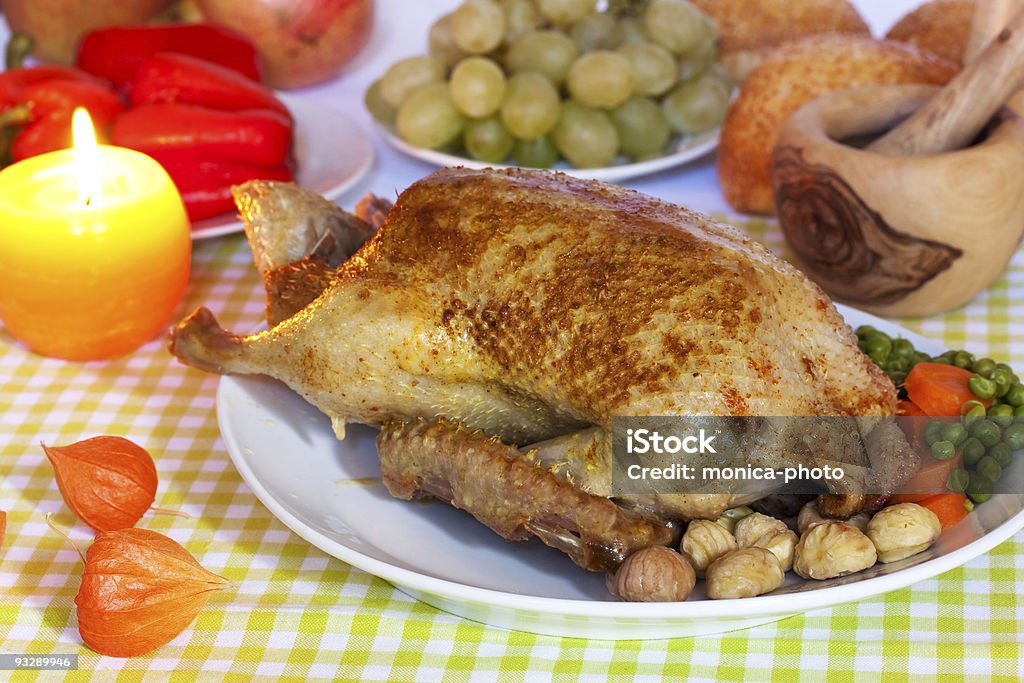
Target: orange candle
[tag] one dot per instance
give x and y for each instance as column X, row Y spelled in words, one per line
column 94, row 249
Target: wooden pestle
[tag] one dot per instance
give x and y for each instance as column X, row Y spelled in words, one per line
column 953, row 118
column 990, row 17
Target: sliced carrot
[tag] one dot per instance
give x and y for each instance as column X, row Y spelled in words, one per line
column 939, row 389
column 897, row 498
column 950, row 508
column 912, row 420
column 910, row 408
column 931, row 478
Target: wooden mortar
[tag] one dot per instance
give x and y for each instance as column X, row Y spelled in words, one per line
column 898, row 236
column 928, row 214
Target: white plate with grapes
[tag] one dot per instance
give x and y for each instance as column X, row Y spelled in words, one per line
column 679, row 151
column 578, row 100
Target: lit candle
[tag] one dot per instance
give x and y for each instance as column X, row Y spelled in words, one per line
column 94, row 249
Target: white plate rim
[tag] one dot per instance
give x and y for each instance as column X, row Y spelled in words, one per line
column 762, row 606
column 312, row 119
column 687, row 149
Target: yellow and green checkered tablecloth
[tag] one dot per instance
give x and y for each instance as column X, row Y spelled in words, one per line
column 295, row 613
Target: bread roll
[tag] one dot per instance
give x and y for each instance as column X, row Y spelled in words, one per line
column 942, row 27
column 792, row 76
column 750, row 29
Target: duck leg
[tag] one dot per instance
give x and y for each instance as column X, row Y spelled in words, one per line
column 513, row 494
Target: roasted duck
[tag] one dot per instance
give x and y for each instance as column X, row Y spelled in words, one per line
column 498, row 320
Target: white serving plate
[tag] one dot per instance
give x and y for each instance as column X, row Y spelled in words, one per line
column 331, row 155
column 683, row 151
column 329, row 493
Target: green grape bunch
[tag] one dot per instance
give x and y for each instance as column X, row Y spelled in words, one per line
column 536, row 82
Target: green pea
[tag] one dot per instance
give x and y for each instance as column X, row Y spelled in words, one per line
column 897, row 364
column 979, row 487
column 865, row 330
column 942, row 360
column 981, row 387
column 978, row 497
column 987, row 432
column 1018, row 415
column 954, row 432
column 902, row 348
column 973, row 451
column 990, row 468
column 984, row 367
column 971, row 412
column 945, row 357
column 933, row 431
column 1001, row 453
column 963, row 359
column 921, row 357
column 943, row 450
column 1004, row 366
column 958, row 480
column 898, row 377
column 878, row 359
column 1001, row 414
column 1003, row 380
column 1014, row 436
column 1015, row 396
column 878, row 345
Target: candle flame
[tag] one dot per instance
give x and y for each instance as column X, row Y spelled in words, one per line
column 87, row 158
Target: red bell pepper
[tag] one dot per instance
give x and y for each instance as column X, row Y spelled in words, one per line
column 190, row 132
column 205, row 186
column 16, row 77
column 169, row 77
column 45, row 107
column 47, row 134
column 43, row 99
column 116, row 53
column 52, row 130
column 14, row 81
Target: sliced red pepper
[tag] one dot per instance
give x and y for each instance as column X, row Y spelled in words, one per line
column 116, row 53
column 169, row 77
column 205, row 186
column 189, row 132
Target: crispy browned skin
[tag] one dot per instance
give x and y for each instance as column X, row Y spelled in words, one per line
column 530, row 304
column 294, row 286
column 510, row 493
column 792, row 76
column 750, row 29
column 941, row 27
